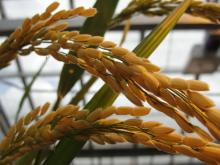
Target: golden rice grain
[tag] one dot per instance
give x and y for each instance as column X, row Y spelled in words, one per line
column 138, row 93
column 97, row 140
column 82, row 37
column 35, row 19
column 179, row 83
column 151, row 67
column 95, row 40
column 58, row 15
column 110, row 80
column 183, row 106
column 71, row 34
column 141, row 137
column 53, row 6
column 119, row 51
column 115, row 137
column 108, row 44
column 164, row 81
column 140, row 111
column 95, row 115
column 214, row 115
column 197, row 85
column 162, row 130
column 122, row 69
column 76, row 11
column 109, row 121
column 213, row 129
column 15, row 34
column 163, row 147
column 185, row 150
column 82, row 114
column 123, row 110
column 26, row 25
column 133, row 122
column 211, row 152
column 150, row 124
column 81, row 124
column 88, row 12
column 108, row 112
column 45, row 15
column 129, row 94
column 151, row 82
column 37, row 27
column 203, row 134
column 194, row 142
column 171, row 137
column 46, row 133
column 93, row 53
column 167, row 96
column 200, row 100
column 131, row 58
column 60, row 27
column 183, row 123
column 206, row 159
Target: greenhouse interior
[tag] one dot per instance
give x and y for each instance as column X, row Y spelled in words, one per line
column 97, row 82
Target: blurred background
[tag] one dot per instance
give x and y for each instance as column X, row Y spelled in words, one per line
column 189, row 51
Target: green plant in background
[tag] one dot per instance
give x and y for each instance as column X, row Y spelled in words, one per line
column 124, row 72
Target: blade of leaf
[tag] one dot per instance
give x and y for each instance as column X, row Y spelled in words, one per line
column 105, row 96
column 96, row 25
column 80, row 95
column 28, row 88
column 151, row 42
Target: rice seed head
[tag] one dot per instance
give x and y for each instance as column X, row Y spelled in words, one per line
column 200, row 100
column 197, row 85
column 194, row 142
column 53, row 6
column 179, row 83
column 88, row 12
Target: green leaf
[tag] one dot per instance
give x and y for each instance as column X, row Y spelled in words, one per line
column 151, row 42
column 80, row 95
column 27, row 90
column 96, row 25
column 67, row 149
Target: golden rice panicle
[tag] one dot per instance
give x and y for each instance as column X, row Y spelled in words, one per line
column 200, row 100
column 197, row 85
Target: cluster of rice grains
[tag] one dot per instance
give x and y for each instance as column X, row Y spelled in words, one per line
column 137, row 78
column 39, row 128
column 33, row 30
